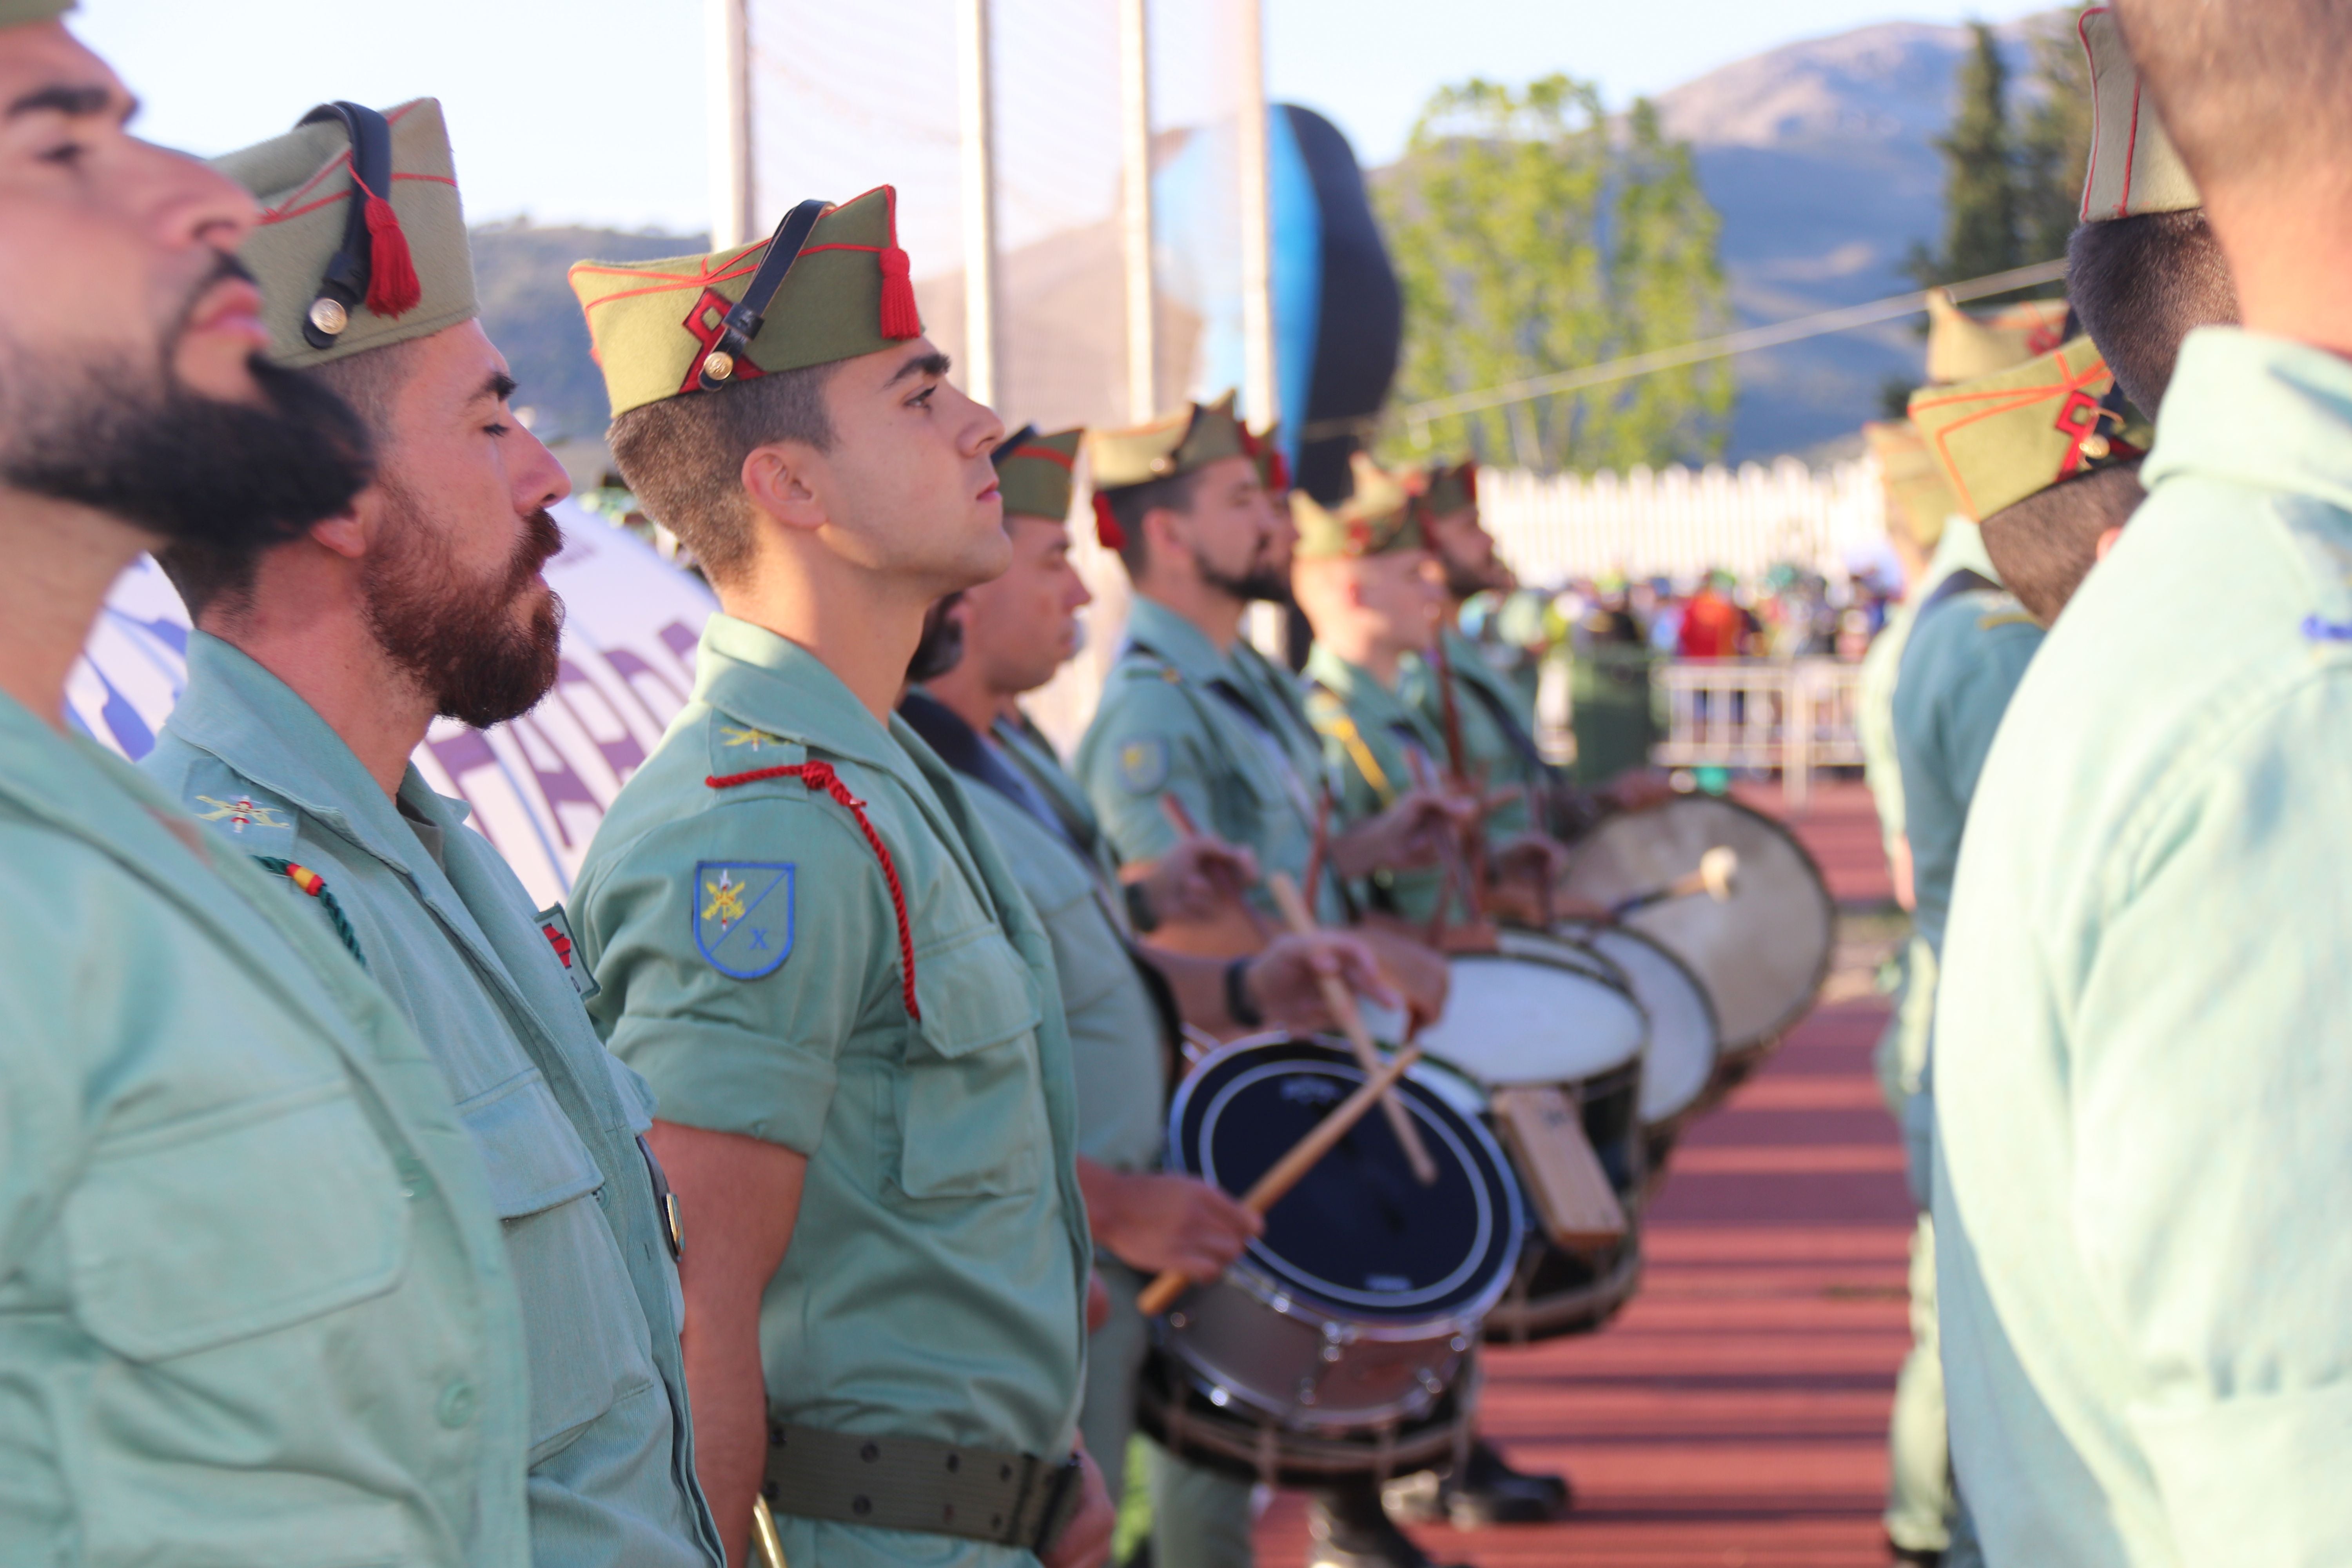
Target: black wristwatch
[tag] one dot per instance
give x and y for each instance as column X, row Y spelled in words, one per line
column 1139, row 912
column 1238, row 1004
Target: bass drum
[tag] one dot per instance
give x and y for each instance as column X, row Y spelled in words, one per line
column 1355, row 1308
column 1684, row 1042
column 1763, row 952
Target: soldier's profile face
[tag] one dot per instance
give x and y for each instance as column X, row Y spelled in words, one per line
column 909, row 486
column 110, row 248
column 1022, row 626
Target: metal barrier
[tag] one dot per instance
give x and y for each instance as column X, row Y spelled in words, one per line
column 1794, row 715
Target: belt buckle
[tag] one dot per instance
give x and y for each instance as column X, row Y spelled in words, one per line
column 1062, row 1495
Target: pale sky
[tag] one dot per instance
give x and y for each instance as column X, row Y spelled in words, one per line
column 592, row 111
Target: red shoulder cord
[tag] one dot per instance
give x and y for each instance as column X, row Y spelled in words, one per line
column 820, row 776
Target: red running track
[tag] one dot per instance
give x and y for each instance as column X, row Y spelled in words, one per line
column 1735, row 1413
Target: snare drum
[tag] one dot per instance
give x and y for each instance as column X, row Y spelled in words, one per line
column 1683, row 1039
column 1762, row 953
column 1548, row 1012
column 1354, row 1309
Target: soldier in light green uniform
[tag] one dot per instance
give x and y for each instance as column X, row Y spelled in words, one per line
column 254, row 1307
column 424, row 601
column 1122, row 997
column 2139, row 1095
column 810, row 946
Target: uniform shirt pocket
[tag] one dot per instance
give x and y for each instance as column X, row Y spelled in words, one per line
column 536, row 1161
column 234, row 1223
column 971, row 1104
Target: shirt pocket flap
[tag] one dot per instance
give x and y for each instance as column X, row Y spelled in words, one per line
column 234, row 1223
column 535, row 1159
column 974, row 995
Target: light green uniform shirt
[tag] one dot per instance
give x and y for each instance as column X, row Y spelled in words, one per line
column 1215, row 730
column 1498, row 734
column 1960, row 546
column 254, row 1305
column 750, row 959
column 2144, row 1101
column 1372, row 740
column 449, row 933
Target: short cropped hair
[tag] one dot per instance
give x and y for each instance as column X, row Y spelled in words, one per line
column 682, row 457
column 2248, row 92
column 217, row 573
column 2045, row 544
column 2139, row 285
column 1129, row 502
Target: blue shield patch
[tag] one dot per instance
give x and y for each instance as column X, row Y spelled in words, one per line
column 742, row 915
column 1143, row 764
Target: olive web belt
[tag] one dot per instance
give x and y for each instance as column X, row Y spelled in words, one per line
column 921, row 1484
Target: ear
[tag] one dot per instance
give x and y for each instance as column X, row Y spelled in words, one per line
column 1162, row 531
column 783, row 480
column 354, row 533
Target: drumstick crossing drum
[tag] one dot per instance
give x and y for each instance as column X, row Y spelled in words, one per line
column 1762, row 951
column 1342, row 1325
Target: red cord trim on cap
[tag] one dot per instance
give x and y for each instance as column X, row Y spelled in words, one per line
column 820, row 777
column 1051, row 456
column 1106, row 528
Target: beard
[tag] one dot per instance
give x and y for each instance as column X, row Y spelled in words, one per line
column 1464, row 581
column 139, row 446
column 1259, row 584
column 459, row 639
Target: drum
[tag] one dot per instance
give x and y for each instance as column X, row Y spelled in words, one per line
column 1761, row 952
column 1515, row 1020
column 1208, row 1426
column 1683, row 1039
column 1356, row 1307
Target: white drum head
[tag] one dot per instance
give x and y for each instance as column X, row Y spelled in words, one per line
column 1683, row 1040
column 1521, row 1020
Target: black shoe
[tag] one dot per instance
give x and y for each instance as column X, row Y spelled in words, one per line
column 1347, row 1529
column 1915, row 1557
column 1487, row 1493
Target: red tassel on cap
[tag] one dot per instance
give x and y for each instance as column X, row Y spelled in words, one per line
column 900, row 319
column 1470, row 478
column 393, row 289
column 1277, row 470
column 1106, row 528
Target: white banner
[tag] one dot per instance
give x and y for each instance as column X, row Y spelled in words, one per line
column 539, row 786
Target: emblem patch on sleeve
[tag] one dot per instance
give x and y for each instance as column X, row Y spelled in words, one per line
column 1143, row 764
column 556, row 927
column 743, row 915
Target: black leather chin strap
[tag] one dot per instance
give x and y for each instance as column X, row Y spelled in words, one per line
column 1012, row 444
column 348, row 275
column 730, row 349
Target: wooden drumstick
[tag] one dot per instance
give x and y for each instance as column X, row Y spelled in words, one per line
column 1284, row 1173
column 1181, row 821
column 1342, row 1004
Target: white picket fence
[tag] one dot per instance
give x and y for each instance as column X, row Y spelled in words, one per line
column 1679, row 523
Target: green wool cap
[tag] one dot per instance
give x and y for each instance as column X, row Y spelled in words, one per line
column 1377, row 520
column 1034, row 476
column 1193, row 438
column 17, row 13
column 1920, row 499
column 2133, row 168
column 1962, row 345
column 2003, row 438
column 1449, row 487
column 415, row 270
column 654, row 326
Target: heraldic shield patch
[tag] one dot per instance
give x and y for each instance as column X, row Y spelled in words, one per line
column 743, row 915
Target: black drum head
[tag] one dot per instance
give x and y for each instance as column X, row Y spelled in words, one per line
column 1359, row 1234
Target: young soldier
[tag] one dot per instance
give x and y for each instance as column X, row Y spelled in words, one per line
column 2139, row 1102
column 254, row 1306
column 811, row 948
column 314, row 670
column 1117, row 989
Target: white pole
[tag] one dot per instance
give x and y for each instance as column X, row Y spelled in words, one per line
column 1135, row 207
column 1258, row 398
column 980, row 355
column 728, row 34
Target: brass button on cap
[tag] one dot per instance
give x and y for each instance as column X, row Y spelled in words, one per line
column 327, row 314
column 719, row 364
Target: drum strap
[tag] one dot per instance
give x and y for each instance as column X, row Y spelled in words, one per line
column 921, row 1484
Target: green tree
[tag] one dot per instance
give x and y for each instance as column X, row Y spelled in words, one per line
column 2054, row 143
column 1981, row 175
column 1531, row 235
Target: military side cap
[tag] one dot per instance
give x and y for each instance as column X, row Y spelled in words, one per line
column 2003, row 438
column 1923, row 499
column 1377, row 520
column 1962, row 346
column 1449, row 487
column 2133, row 168
column 830, row 284
column 17, row 13
column 363, row 239
column 1033, row 472
column 1193, row 438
